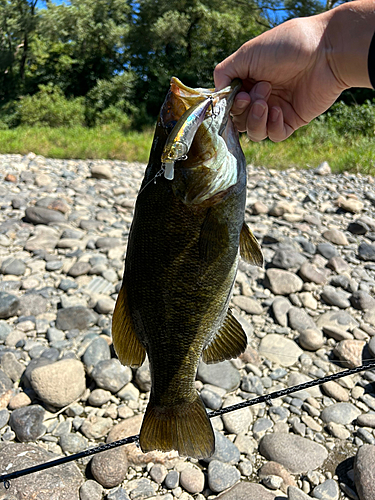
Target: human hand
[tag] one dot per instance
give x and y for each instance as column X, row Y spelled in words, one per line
column 287, row 79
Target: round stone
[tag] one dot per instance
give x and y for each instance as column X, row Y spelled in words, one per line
column 295, row 453
column 192, row 480
column 9, row 305
column 340, row 413
column 283, row 282
column 111, row 375
column 109, row 467
column 222, row 476
column 27, row 423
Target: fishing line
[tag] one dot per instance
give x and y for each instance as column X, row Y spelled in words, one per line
column 267, row 398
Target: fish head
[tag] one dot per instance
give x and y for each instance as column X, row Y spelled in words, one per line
column 210, row 165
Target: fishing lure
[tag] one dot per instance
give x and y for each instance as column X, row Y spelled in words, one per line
column 180, row 139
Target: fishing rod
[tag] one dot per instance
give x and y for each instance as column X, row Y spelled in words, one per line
column 267, row 398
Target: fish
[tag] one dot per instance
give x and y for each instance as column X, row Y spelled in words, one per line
column 180, row 267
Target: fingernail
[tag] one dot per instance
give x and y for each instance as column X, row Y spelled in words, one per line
column 261, row 90
column 274, row 114
column 258, row 110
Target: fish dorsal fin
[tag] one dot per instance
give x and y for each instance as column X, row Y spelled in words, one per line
column 249, row 247
column 127, row 346
column 229, row 342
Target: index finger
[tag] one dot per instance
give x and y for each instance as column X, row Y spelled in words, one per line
column 228, row 70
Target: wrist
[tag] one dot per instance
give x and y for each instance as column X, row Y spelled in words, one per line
column 349, row 31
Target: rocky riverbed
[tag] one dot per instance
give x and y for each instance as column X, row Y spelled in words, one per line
column 311, row 312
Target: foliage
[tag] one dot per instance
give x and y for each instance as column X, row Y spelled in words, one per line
column 353, row 120
column 186, row 39
column 49, row 107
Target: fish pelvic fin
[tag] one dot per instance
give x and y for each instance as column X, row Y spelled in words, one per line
column 229, row 342
column 249, row 247
column 127, row 346
column 185, row 428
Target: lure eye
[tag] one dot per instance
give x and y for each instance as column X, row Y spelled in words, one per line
column 178, row 151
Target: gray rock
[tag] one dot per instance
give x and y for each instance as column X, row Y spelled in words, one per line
column 225, row 450
column 27, row 423
column 283, row 282
column 366, row 252
column 158, row 473
column 118, row 494
column 295, row 493
column 4, row 418
column 252, row 383
column 335, row 297
column 299, row 319
column 11, row 367
column 364, row 473
column 366, row 420
column 5, row 329
column 246, row 491
column 279, row 349
column 97, row 351
column 329, row 490
column 295, row 453
column 340, row 413
column 326, row 250
column 311, row 339
column 43, row 485
column 13, row 266
column 99, row 397
column 362, row 300
column 77, row 317
column 323, row 169
column 143, row 377
column 111, row 375
column 340, row 319
column 95, row 427
column 288, row 259
column 41, row 215
column 107, row 242
column 79, row 269
column 101, row 171
column 9, row 305
column 221, row 476
column 60, row 383
column 247, row 304
column 44, row 237
column 237, row 421
column 220, row 374
column 143, row 489
column 172, row 479
column 211, row 399
column 280, row 308
column 90, row 490
column 73, row 443
column 32, row 304
column 67, row 284
column 5, row 383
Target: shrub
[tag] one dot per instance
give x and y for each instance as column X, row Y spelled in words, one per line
column 49, row 107
column 110, row 101
column 353, row 120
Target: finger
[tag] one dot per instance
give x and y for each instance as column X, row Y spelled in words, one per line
column 278, row 130
column 224, row 73
column 256, row 124
column 260, row 91
column 241, row 103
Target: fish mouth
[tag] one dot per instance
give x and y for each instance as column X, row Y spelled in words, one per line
column 181, row 97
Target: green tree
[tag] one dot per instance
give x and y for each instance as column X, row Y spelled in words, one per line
column 186, row 38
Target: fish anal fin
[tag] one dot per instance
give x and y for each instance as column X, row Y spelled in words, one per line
column 127, row 346
column 250, row 248
column 229, row 342
column 185, row 428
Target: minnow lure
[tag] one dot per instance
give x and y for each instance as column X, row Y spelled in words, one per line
column 180, row 139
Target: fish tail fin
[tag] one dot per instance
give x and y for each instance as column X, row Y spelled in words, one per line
column 185, row 428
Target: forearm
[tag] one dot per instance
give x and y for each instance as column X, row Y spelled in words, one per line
column 347, row 38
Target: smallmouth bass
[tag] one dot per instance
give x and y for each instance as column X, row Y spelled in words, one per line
column 180, row 267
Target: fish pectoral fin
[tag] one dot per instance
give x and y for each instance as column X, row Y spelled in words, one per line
column 184, row 427
column 250, row 248
column 213, row 238
column 229, row 342
column 127, row 346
